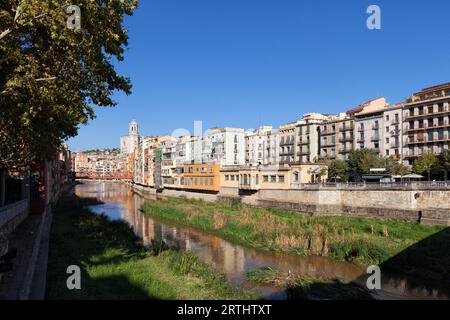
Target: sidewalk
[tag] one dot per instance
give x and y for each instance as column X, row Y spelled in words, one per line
column 28, row 277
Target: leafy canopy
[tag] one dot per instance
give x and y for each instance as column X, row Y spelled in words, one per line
column 52, row 76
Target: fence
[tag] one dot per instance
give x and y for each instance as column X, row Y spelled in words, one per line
column 417, row 185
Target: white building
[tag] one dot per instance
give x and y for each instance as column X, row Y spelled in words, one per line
column 224, row 146
column 131, row 141
column 261, row 146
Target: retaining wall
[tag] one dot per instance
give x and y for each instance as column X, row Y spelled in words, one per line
column 426, row 206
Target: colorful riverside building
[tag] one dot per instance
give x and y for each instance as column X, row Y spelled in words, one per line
column 427, row 122
column 201, row 177
column 293, row 153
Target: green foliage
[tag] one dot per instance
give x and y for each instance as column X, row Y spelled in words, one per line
column 444, row 161
column 362, row 160
column 52, row 76
column 426, row 163
column 337, row 168
column 394, row 167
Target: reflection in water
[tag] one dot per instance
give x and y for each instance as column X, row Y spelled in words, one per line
column 120, row 202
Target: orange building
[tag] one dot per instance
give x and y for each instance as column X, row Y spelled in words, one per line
column 201, row 177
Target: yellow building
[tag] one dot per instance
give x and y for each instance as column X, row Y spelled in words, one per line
column 201, row 177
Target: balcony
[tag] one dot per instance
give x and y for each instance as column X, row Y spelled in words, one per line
column 303, row 153
column 375, row 138
column 328, row 132
column 346, row 139
column 328, row 144
column 303, row 142
column 361, row 129
column 426, row 114
column 345, row 128
column 426, row 141
column 345, row 150
column 440, row 124
column 375, row 127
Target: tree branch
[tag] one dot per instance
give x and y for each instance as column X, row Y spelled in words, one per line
column 14, row 26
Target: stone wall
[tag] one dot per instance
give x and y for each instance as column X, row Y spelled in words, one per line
column 426, row 206
column 10, row 217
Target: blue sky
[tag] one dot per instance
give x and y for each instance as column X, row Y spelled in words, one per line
column 246, row 63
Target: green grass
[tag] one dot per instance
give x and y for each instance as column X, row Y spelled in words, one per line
column 115, row 265
column 363, row 241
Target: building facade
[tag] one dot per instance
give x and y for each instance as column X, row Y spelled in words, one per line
column 426, row 122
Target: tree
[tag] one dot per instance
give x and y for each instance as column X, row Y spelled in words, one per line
column 337, row 168
column 362, row 160
column 52, row 76
column 425, row 164
column 444, row 162
column 394, row 167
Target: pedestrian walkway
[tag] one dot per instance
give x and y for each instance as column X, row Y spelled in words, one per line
column 28, row 277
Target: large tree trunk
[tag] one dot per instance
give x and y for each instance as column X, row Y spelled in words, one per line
column 2, row 187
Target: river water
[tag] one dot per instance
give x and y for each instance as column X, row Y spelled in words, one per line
column 119, row 202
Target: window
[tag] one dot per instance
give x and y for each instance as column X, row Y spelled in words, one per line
column 211, row 181
column 387, row 129
column 296, row 177
column 273, row 179
column 266, row 178
column 387, row 140
column 257, row 179
column 280, row 179
column 227, row 177
column 387, row 152
column 387, row 117
column 232, row 177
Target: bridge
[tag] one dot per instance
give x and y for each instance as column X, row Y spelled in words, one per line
column 106, row 177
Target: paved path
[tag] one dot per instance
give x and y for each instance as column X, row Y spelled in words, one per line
column 28, row 277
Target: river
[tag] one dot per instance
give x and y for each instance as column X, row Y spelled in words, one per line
column 119, row 202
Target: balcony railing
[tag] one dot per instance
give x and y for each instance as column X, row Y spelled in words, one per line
column 303, row 142
column 303, row 153
column 346, row 139
column 346, row 128
column 328, row 144
column 328, row 132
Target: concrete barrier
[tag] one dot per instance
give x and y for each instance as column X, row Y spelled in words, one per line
column 424, row 205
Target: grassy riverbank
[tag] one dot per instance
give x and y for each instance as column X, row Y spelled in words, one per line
column 115, row 265
column 361, row 240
